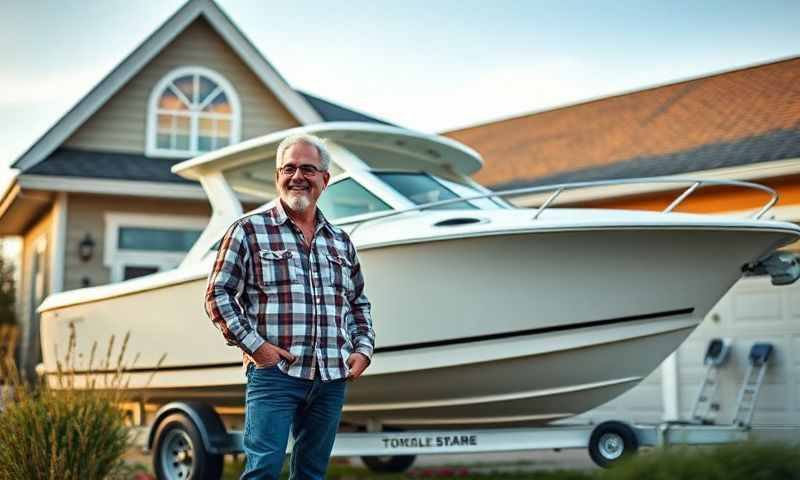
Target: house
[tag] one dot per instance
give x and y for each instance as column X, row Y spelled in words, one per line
column 94, row 199
column 739, row 125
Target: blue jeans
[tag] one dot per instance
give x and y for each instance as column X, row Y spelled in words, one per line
column 277, row 402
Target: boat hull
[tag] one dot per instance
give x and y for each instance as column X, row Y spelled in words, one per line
column 519, row 327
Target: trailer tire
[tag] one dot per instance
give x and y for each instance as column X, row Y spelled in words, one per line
column 611, row 442
column 179, row 453
column 389, row 464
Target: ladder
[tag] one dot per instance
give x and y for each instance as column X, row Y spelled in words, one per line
column 705, row 407
column 751, row 385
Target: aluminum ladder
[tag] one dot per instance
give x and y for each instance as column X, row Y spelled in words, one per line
column 705, row 406
column 751, row 385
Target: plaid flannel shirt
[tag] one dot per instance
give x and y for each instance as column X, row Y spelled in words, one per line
column 267, row 286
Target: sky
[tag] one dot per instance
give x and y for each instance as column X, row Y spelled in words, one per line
column 427, row 65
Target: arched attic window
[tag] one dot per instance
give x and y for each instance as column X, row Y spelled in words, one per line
column 192, row 110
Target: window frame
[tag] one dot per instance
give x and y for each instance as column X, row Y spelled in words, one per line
column 151, row 148
column 116, row 260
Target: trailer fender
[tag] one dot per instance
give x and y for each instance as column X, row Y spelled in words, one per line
column 212, row 431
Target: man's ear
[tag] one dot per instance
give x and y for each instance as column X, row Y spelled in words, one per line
column 326, row 176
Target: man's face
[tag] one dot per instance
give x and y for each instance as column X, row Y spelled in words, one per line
column 300, row 191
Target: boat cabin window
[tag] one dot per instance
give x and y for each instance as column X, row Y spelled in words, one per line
column 468, row 191
column 422, row 188
column 347, row 198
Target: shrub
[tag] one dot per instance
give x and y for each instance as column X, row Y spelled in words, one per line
column 73, row 430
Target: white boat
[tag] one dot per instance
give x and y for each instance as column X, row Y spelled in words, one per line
column 486, row 315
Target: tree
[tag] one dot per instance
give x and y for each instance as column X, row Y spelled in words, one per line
column 7, row 291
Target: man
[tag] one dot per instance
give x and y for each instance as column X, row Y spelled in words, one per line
column 287, row 289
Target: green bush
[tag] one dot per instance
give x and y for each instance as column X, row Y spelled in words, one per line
column 746, row 461
column 70, row 430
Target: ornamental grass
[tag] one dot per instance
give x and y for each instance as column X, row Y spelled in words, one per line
column 72, row 427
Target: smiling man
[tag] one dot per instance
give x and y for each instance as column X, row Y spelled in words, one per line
column 287, row 289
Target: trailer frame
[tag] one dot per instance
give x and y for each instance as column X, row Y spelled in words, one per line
column 607, row 442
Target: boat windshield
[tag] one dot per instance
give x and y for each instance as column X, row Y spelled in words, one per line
column 347, row 198
column 422, row 188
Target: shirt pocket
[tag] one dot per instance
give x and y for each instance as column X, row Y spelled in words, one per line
column 278, row 268
column 340, row 270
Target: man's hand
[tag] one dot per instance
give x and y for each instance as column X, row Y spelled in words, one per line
column 358, row 362
column 269, row 355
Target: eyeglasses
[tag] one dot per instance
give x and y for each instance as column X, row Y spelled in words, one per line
column 305, row 170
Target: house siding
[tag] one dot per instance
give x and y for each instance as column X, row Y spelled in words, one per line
column 120, row 124
column 87, row 216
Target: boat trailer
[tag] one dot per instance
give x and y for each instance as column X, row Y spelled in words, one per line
column 189, row 439
column 182, row 445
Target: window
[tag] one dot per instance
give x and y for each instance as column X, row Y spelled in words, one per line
column 347, row 198
column 421, row 188
column 156, row 239
column 138, row 245
column 468, row 191
column 192, row 110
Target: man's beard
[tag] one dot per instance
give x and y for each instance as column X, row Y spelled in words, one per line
column 297, row 203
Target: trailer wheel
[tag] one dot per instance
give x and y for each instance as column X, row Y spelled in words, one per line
column 389, row 464
column 179, row 453
column 611, row 442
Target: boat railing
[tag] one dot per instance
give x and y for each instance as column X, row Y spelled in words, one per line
column 558, row 189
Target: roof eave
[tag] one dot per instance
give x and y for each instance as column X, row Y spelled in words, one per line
column 18, row 208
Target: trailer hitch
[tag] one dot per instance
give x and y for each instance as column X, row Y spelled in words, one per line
column 782, row 267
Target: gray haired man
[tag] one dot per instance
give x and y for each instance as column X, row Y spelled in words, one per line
column 287, row 289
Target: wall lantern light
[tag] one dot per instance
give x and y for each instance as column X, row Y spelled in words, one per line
column 86, row 248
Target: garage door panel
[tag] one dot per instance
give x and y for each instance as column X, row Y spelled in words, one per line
column 756, row 305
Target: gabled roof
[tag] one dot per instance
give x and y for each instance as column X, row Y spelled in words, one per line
column 743, row 116
column 294, row 102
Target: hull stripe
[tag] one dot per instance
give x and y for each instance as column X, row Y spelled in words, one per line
column 437, row 343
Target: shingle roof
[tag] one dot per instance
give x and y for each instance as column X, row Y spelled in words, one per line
column 70, row 162
column 777, row 145
column 331, row 112
column 67, row 162
column 743, row 116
